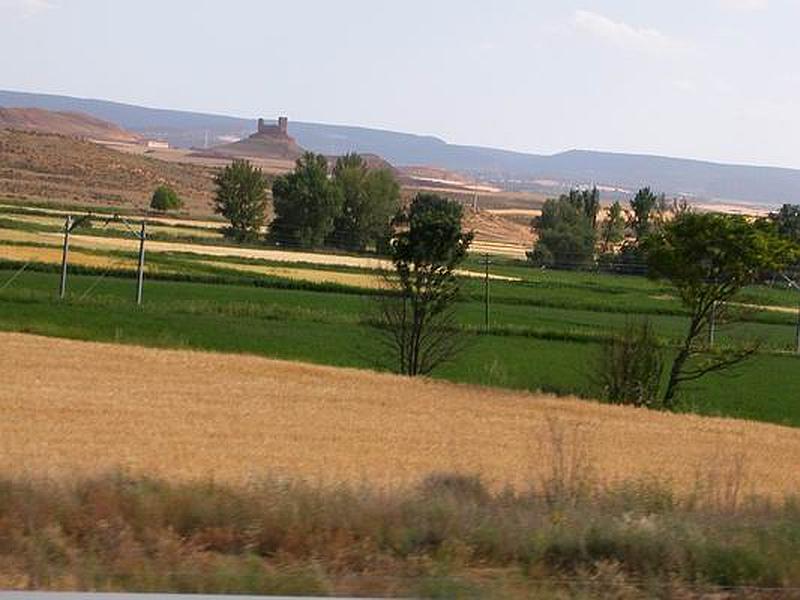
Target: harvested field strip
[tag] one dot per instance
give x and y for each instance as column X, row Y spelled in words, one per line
column 116, row 226
column 53, row 256
column 514, row 212
column 313, row 275
column 15, row 235
column 33, row 219
column 170, row 221
column 500, row 249
column 130, row 245
column 103, row 243
column 71, row 408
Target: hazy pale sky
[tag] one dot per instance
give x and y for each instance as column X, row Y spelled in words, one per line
column 709, row 79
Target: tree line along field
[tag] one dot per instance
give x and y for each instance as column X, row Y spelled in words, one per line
column 546, row 327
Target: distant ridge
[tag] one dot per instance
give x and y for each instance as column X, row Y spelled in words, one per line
column 620, row 174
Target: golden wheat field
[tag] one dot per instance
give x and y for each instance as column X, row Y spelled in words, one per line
column 70, row 407
column 52, row 255
column 362, row 280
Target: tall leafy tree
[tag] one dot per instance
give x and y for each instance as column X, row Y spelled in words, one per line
column 644, row 208
column 590, row 201
column 566, row 230
column 709, row 258
column 241, row 197
column 787, row 221
column 370, row 198
column 612, row 231
column 305, row 203
column 416, row 318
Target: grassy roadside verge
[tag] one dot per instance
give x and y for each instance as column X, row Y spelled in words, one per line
column 448, row 536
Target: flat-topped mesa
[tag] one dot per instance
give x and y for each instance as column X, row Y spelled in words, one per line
column 282, row 128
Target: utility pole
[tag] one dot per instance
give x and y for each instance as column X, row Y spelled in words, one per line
column 140, row 271
column 486, row 293
column 712, row 325
column 797, row 332
column 62, row 289
column 793, row 284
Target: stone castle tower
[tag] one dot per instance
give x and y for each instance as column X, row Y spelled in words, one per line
column 282, row 128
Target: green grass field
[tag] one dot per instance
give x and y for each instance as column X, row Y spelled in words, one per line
column 545, row 330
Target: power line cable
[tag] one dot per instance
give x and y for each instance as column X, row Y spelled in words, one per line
column 14, row 276
column 100, row 278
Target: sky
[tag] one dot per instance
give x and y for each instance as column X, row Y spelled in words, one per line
column 708, row 79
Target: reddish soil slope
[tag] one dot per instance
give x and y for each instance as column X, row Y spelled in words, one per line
column 258, row 145
column 63, row 123
column 66, row 169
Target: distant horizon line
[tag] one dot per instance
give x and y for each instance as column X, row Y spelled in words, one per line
column 628, row 153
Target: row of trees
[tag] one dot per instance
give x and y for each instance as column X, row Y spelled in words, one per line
column 573, row 232
column 351, row 207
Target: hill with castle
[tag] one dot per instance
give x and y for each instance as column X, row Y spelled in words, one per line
column 270, row 141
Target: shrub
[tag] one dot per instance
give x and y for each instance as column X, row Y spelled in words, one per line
column 630, row 366
column 165, row 198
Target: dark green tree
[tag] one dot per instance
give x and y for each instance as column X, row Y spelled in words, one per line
column 709, row 258
column 305, row 203
column 370, row 198
column 566, row 231
column 165, row 198
column 612, row 231
column 644, row 211
column 241, row 197
column 648, row 213
column 787, row 221
column 416, row 316
column 589, row 201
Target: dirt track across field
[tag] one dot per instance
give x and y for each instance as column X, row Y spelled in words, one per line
column 70, row 407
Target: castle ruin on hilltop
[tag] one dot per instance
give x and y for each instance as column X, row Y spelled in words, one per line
column 282, row 128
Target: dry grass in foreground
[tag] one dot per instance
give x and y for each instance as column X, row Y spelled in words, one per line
column 70, row 408
column 448, row 536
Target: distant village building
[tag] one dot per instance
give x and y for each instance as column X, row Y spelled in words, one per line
column 282, row 128
column 157, row 145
